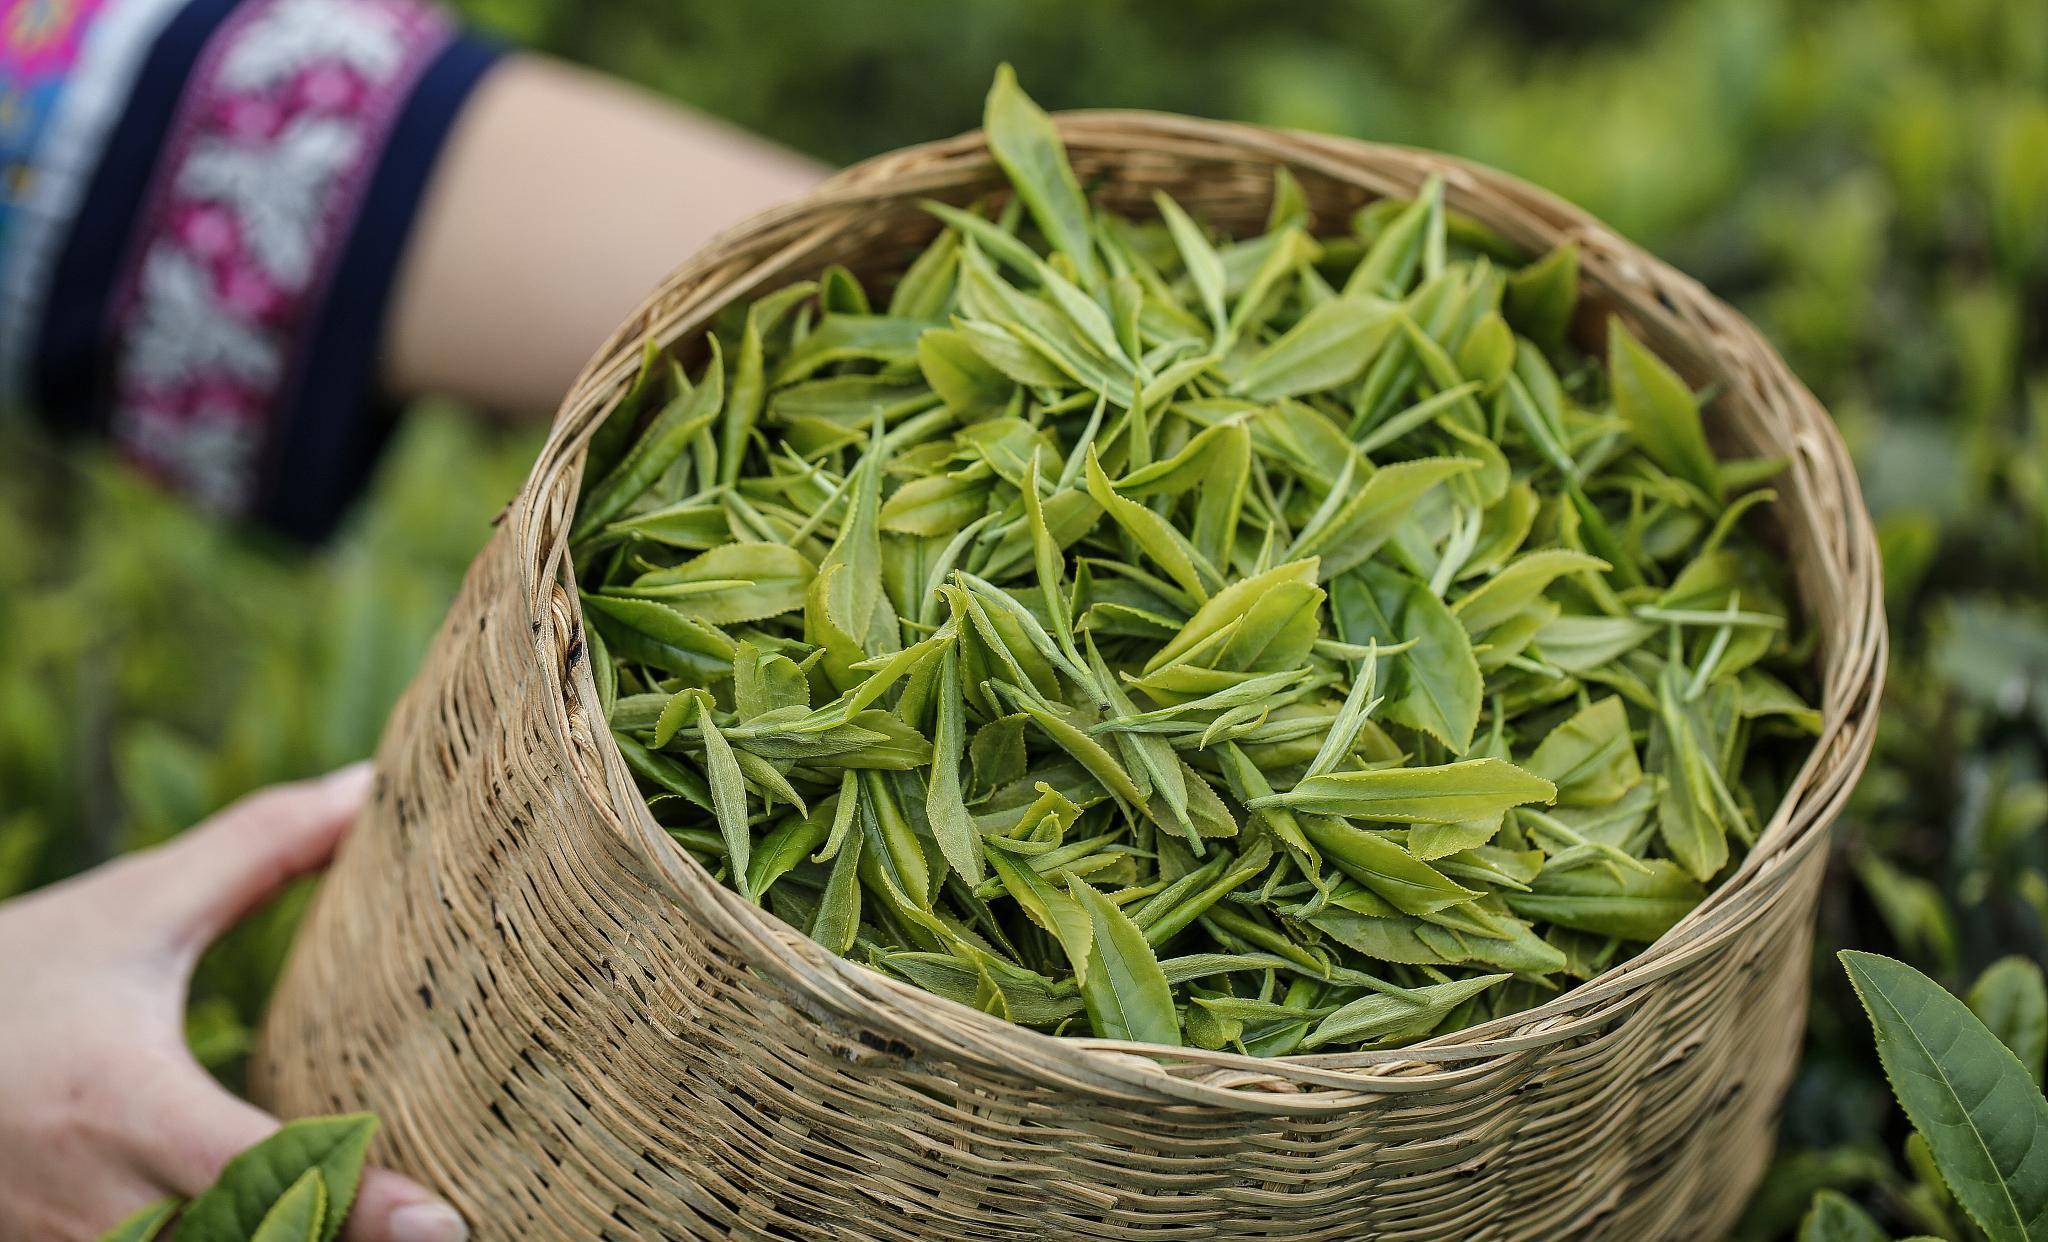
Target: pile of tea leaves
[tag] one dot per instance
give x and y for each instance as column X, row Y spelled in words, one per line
column 1278, row 644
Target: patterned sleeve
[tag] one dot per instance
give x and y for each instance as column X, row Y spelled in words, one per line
column 203, row 204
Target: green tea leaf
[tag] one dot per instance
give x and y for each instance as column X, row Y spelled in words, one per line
column 1168, row 548
column 1371, row 514
column 653, row 632
column 1638, row 905
column 145, row 1223
column 749, row 381
column 298, row 1214
column 253, row 1182
column 838, row 917
column 957, row 369
column 738, row 582
column 1691, row 809
column 1409, row 885
column 1517, row 585
column 1982, row 1115
column 1379, row 1018
column 1024, row 142
column 1436, row 685
column 1203, row 265
column 1834, row 1217
column 728, row 796
column 934, row 506
column 1125, row 991
column 791, row 841
column 1329, row 347
column 951, row 823
column 1055, row 911
column 1542, row 297
column 852, row 338
column 894, row 858
column 1227, row 608
column 1590, row 757
column 2012, row 1001
column 1447, row 794
column 655, row 451
column 1397, row 252
column 1662, row 415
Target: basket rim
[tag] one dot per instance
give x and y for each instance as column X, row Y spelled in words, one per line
column 1852, row 667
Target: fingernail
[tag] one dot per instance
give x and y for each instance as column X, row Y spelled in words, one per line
column 427, row 1222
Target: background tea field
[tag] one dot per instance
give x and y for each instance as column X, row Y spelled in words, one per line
column 1868, row 179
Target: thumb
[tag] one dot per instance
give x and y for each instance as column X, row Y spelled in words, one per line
column 202, row 882
column 199, row 1127
column 390, row 1208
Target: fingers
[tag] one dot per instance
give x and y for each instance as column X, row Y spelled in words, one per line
column 390, row 1208
column 189, row 1127
column 197, row 1128
column 205, row 880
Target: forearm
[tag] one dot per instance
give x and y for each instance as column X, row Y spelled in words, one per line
column 559, row 201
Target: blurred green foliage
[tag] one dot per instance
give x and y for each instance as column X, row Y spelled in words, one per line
column 154, row 665
column 1867, row 178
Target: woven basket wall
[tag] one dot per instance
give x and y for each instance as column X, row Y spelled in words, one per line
column 573, row 1033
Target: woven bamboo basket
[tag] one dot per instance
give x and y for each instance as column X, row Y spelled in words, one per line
column 572, row 1032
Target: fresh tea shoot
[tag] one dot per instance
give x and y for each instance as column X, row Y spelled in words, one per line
column 1281, row 644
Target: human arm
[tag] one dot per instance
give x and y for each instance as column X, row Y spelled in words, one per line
column 561, row 198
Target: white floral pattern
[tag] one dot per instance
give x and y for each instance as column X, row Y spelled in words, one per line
column 277, row 190
column 291, row 36
column 177, row 331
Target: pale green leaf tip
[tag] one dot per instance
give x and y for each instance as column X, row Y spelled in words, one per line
column 1006, row 90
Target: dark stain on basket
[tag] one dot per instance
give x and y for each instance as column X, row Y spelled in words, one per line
column 885, row 1045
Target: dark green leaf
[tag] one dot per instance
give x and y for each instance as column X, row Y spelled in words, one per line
column 1981, row 1113
column 2010, row 999
column 254, row 1181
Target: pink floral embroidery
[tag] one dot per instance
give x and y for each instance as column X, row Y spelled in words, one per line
column 247, row 293
column 253, row 200
column 206, row 229
column 255, row 120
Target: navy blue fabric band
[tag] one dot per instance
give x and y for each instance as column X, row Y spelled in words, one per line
column 334, row 421
column 73, row 366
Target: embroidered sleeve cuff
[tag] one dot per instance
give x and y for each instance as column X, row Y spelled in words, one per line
column 217, row 299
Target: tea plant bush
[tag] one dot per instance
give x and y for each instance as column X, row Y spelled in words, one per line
column 1867, row 178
